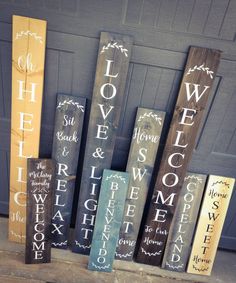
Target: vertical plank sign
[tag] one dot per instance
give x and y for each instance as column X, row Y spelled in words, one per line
column 184, row 221
column 142, row 155
column 197, row 80
column 40, row 184
column 28, row 52
column 210, row 224
column 108, row 221
column 66, row 143
column 112, row 67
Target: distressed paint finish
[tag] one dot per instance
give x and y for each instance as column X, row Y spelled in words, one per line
column 112, row 66
column 28, row 52
column 211, row 219
column 108, row 221
column 40, row 189
column 66, row 145
column 142, row 155
column 197, row 81
column 180, row 236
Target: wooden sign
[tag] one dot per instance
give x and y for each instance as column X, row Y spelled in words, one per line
column 180, row 236
column 66, row 145
column 40, row 184
column 112, row 67
column 142, row 155
column 28, row 52
column 210, row 224
column 108, row 221
column 195, row 88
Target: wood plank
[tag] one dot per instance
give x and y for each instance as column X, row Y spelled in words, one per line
column 66, row 144
column 194, row 91
column 180, row 236
column 142, row 155
column 40, row 189
column 108, row 221
column 28, row 53
column 112, row 67
column 213, row 212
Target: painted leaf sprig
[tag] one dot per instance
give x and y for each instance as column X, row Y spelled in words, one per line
column 71, row 102
column 201, row 68
column 115, row 45
column 150, row 114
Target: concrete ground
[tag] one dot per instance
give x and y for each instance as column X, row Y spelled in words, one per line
column 68, row 267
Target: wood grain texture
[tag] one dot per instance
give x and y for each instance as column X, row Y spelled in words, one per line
column 108, row 220
column 142, row 155
column 181, row 231
column 40, row 189
column 211, row 219
column 66, row 145
column 28, row 52
column 194, row 91
column 112, row 66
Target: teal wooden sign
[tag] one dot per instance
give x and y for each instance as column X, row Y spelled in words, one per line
column 108, row 221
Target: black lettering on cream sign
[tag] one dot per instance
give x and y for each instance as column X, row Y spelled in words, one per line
column 40, row 183
column 112, row 67
column 210, row 224
column 66, row 144
column 194, row 91
column 142, row 155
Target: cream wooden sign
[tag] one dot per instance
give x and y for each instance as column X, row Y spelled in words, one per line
column 28, row 53
column 210, row 224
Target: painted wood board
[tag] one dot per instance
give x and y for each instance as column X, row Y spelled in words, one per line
column 40, row 189
column 181, row 232
column 142, row 156
column 108, row 220
column 66, row 145
column 28, row 53
column 211, row 219
column 198, row 76
column 111, row 72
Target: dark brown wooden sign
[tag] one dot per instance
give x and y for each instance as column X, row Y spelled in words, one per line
column 180, row 236
column 66, row 144
column 108, row 220
column 142, row 155
column 112, row 67
column 209, row 227
column 40, row 183
column 194, row 91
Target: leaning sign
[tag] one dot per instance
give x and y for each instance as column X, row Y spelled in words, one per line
column 28, row 52
column 112, row 67
column 40, row 184
column 65, row 151
column 194, row 91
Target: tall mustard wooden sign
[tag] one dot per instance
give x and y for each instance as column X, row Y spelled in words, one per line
column 194, row 91
column 210, row 224
column 28, row 53
column 112, row 68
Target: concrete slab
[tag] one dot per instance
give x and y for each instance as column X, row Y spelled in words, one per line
column 68, row 267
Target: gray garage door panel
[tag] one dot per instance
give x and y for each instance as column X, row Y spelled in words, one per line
column 163, row 32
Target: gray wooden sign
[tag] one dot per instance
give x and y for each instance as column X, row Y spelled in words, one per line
column 66, row 144
column 40, row 182
column 199, row 73
column 142, row 155
column 112, row 67
column 180, row 236
column 108, row 221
